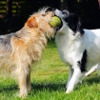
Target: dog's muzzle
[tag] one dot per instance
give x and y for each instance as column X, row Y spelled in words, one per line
column 58, row 13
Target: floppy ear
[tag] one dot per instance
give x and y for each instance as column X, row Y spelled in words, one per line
column 74, row 23
column 32, row 22
column 79, row 27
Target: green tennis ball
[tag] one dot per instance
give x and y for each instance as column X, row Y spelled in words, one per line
column 55, row 21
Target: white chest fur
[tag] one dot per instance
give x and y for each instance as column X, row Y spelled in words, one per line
column 71, row 48
column 70, row 51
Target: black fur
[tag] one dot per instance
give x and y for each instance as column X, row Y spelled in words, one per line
column 74, row 23
column 83, row 61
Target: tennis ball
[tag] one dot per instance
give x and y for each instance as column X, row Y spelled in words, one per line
column 55, row 21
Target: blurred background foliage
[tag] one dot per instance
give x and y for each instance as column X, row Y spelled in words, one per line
column 13, row 13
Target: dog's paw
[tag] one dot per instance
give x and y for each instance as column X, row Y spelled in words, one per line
column 68, row 91
column 80, row 81
column 69, row 88
column 23, row 95
column 86, row 74
column 20, row 95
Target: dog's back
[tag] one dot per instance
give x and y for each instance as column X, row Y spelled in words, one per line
column 5, row 41
column 92, row 44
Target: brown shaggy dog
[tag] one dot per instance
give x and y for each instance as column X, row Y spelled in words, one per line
column 18, row 50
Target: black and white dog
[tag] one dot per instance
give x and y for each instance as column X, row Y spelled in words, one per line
column 78, row 47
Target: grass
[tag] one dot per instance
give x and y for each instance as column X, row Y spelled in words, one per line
column 48, row 78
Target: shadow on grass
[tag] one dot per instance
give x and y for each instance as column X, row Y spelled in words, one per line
column 8, row 88
column 35, row 86
column 48, row 86
column 92, row 79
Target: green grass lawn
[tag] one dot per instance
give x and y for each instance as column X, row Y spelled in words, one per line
column 48, row 78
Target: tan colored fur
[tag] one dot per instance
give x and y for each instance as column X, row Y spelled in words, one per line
column 20, row 49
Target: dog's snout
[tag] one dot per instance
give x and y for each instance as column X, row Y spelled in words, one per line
column 56, row 11
column 61, row 13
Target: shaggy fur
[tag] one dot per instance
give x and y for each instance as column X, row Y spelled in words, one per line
column 78, row 47
column 18, row 50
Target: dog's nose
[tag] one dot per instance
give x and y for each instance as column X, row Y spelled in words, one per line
column 56, row 10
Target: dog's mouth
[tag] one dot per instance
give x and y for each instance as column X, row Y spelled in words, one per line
column 62, row 15
column 58, row 14
column 60, row 26
column 56, row 22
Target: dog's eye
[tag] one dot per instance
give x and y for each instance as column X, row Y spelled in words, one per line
column 65, row 13
column 43, row 14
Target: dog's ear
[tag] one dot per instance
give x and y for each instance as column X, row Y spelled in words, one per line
column 74, row 23
column 32, row 22
column 79, row 26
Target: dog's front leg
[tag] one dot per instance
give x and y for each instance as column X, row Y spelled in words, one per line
column 22, row 81
column 69, row 75
column 29, row 81
column 74, row 79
